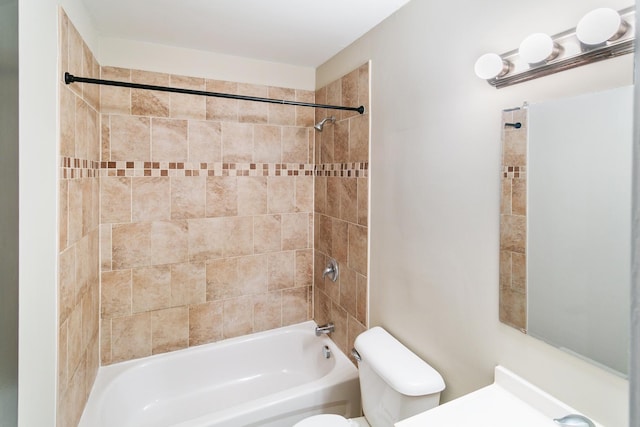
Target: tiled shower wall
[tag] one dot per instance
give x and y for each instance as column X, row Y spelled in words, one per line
column 206, row 214
column 513, row 221
column 341, row 208
column 78, row 261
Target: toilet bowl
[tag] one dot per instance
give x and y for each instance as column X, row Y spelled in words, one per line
column 394, row 384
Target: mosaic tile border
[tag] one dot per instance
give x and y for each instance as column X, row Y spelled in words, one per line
column 73, row 168
column 343, row 170
column 514, row 172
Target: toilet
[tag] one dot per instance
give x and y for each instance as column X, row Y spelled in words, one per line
column 394, row 383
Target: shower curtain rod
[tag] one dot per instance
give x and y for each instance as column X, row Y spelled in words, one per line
column 70, row 78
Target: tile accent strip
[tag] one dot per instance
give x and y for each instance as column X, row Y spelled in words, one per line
column 73, row 168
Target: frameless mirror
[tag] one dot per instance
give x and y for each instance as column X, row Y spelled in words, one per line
column 574, row 226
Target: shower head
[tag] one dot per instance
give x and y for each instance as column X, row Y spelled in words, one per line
column 320, row 125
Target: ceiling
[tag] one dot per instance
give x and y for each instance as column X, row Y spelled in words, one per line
column 297, row 32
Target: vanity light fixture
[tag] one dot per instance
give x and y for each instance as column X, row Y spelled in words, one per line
column 491, row 65
column 600, row 26
column 538, row 48
column 601, row 34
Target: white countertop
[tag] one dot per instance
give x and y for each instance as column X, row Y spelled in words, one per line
column 509, row 401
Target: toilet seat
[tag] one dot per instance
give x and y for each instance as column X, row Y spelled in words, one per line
column 329, row 420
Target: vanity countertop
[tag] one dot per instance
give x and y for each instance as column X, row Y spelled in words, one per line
column 509, row 401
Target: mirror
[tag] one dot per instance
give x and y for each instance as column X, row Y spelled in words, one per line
column 566, row 225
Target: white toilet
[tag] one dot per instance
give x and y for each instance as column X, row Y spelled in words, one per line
column 394, row 383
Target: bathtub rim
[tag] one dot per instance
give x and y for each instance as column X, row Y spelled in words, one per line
column 344, row 370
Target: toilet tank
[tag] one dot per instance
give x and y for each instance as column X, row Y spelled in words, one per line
column 394, row 382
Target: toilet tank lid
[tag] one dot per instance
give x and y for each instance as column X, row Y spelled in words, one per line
column 398, row 366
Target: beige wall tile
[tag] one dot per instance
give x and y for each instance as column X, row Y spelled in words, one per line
column 348, row 194
column 505, row 196
column 116, row 288
column 333, row 196
column 105, row 137
column 514, row 149
column 252, row 274
column 320, row 194
column 188, row 283
column 150, row 198
column 267, row 311
column 81, row 129
column 350, row 92
column 267, row 142
column 63, row 209
column 340, row 241
column 305, row 116
column 294, row 306
column 188, row 106
column 348, row 290
column 130, row 138
column 115, row 197
column 131, row 245
column 304, row 193
column 66, row 283
column 304, row 268
column 519, row 196
column 67, row 122
column 358, row 248
column 169, row 140
column 188, row 197
column 237, row 316
column 363, row 201
column 340, row 319
column 149, row 103
column 221, row 108
column 222, row 278
column 281, row 270
column 295, row 231
column 252, row 195
column 205, row 141
column 105, row 341
column 222, row 196
column 363, row 86
column 151, row 288
column 115, row 99
column 362, row 299
column 237, row 142
column 359, row 138
column 282, row 114
column 281, row 194
column 322, row 307
column 75, row 56
column 205, row 323
column 206, row 239
column 253, row 112
column 513, row 231
column 323, row 234
column 341, row 142
column 105, row 247
column 238, row 236
column 130, row 337
column 169, row 329
column 267, row 233
column 75, row 348
column 295, row 145
column 169, row 242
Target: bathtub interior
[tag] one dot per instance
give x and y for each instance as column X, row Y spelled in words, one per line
column 229, row 380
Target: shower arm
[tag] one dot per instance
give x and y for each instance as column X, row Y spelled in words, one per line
column 70, row 78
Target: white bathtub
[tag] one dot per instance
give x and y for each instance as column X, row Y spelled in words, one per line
column 272, row 378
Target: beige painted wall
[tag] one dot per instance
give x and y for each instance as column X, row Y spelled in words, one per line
column 435, row 187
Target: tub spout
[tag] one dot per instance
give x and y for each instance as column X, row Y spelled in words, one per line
column 325, row 329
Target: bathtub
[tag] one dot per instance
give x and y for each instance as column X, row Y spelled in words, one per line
column 273, row 378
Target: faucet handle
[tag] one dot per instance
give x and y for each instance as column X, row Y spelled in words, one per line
column 574, row 420
column 331, row 270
